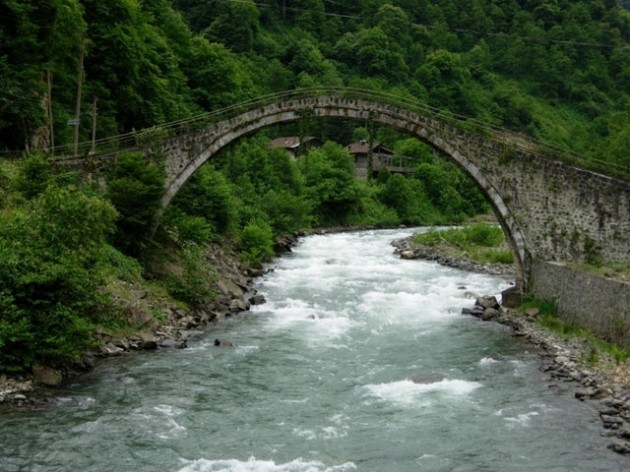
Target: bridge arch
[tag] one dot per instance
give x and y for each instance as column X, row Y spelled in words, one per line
column 185, row 153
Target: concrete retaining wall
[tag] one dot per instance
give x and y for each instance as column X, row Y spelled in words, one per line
column 597, row 303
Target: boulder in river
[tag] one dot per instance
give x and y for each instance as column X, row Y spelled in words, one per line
column 426, row 378
column 47, row 376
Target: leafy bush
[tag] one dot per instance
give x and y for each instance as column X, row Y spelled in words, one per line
column 256, row 242
column 480, row 234
column 113, row 263
column 194, row 285
column 372, row 212
column 135, row 187
column 331, row 186
column 49, row 278
column 287, row 212
column 208, row 195
column 499, row 257
column 186, row 228
column 484, row 235
column 34, row 176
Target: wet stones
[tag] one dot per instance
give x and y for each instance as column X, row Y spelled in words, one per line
column 406, row 249
column 48, row 376
column 563, row 362
column 487, row 308
column 427, row 378
column 15, row 391
column 223, row 343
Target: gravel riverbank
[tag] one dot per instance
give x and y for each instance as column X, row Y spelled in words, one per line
column 604, row 384
column 594, row 377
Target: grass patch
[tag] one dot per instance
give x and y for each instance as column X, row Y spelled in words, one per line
column 613, row 269
column 481, row 242
column 549, row 320
column 598, row 345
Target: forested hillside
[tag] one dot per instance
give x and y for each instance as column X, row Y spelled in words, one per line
column 556, row 70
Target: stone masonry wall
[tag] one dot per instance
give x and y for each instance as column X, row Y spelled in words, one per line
column 549, row 210
column 567, row 214
column 599, row 304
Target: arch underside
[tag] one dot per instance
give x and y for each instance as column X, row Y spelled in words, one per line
column 439, row 135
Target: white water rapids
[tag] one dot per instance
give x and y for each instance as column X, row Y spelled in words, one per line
column 321, row 380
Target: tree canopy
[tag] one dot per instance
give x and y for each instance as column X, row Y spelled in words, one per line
column 558, row 70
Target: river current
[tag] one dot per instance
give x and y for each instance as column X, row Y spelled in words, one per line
column 321, row 380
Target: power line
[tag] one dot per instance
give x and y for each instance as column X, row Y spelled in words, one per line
column 303, row 10
column 454, row 30
column 526, row 38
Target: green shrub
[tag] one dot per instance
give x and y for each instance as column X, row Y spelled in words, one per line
column 194, row 285
column 208, row 195
column 546, row 307
column 483, row 234
column 49, row 277
column 135, row 187
column 287, row 212
column 256, row 242
column 499, row 257
column 480, row 234
column 34, row 176
column 185, row 228
column 113, row 263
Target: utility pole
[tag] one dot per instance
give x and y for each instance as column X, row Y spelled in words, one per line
column 50, row 113
column 370, row 152
column 77, row 113
column 93, row 148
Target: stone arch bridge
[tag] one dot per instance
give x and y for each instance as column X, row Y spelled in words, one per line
column 550, row 210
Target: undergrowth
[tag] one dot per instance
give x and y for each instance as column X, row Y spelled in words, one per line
column 481, row 242
column 548, row 318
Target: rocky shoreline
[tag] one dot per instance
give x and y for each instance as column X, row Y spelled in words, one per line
column 605, row 384
column 178, row 326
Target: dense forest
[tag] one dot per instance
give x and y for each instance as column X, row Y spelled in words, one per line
column 556, row 70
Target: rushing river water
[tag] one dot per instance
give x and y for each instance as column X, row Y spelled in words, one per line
column 320, row 381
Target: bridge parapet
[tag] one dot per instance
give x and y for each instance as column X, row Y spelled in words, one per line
column 550, row 210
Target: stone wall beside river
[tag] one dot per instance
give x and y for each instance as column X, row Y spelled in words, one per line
column 597, row 303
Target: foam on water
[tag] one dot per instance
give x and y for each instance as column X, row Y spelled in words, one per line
column 487, row 361
column 317, row 321
column 160, row 420
column 314, row 384
column 325, row 433
column 407, row 308
column 254, row 465
column 406, row 392
column 523, row 419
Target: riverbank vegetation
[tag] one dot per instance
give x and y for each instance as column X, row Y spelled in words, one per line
column 66, row 243
column 556, row 71
column 481, row 242
column 599, row 348
column 485, row 243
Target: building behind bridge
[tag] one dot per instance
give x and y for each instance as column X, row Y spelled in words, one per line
column 382, row 157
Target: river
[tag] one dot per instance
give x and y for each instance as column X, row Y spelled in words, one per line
column 320, row 380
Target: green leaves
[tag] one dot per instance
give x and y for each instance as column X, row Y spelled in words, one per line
column 256, row 242
column 135, row 187
column 330, row 183
column 48, row 279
